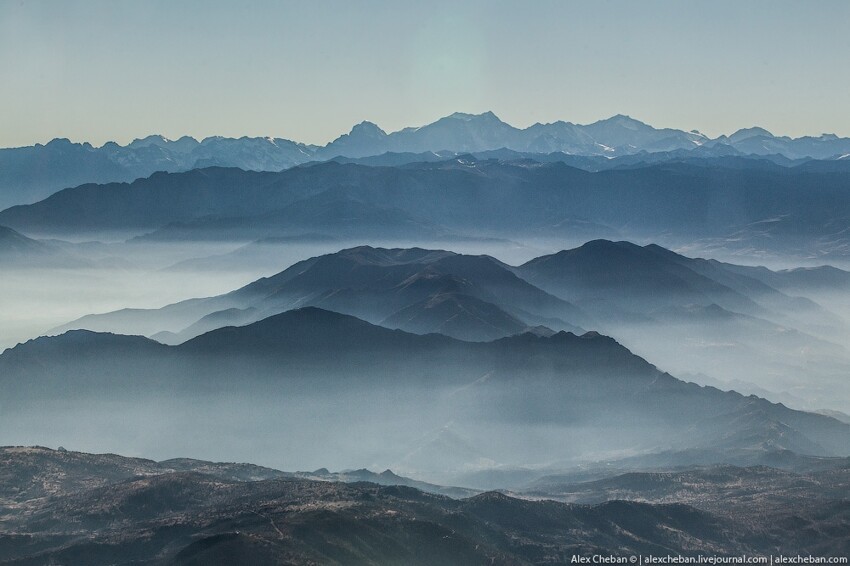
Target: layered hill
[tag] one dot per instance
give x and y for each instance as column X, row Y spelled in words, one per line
column 422, row 291
column 710, row 321
column 577, row 396
column 704, row 317
column 792, row 211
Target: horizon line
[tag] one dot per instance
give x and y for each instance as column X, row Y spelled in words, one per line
column 478, row 115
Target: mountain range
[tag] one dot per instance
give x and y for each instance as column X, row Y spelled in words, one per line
column 773, row 209
column 29, row 174
column 611, row 280
column 748, row 325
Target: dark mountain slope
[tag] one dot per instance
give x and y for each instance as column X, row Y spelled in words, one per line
column 96, row 515
column 727, row 489
column 330, row 215
column 636, row 278
column 146, row 203
column 31, row 473
column 90, row 362
column 458, row 315
column 214, row 194
column 308, row 332
column 793, row 207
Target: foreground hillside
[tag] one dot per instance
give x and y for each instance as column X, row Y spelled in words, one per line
column 105, row 509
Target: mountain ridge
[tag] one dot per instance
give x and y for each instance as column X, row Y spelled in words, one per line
column 796, row 210
column 31, row 173
column 372, row 130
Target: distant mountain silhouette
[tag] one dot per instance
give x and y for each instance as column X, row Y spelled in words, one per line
column 29, row 174
column 615, row 136
column 456, row 314
column 620, row 278
column 825, row 277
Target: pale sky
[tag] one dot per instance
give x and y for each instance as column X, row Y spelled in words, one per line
column 309, row 70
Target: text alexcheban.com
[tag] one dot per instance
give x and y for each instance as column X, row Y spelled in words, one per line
column 770, row 560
